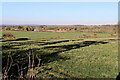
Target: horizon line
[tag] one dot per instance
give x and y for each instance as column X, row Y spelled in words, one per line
column 59, row 24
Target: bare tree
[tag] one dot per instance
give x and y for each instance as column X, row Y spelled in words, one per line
column 39, row 60
column 20, row 71
column 31, row 65
column 7, row 68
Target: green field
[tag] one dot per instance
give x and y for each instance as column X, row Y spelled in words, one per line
column 38, row 35
column 64, row 58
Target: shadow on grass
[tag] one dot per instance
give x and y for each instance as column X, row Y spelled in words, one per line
column 78, row 45
column 7, row 47
column 19, row 39
column 55, row 42
column 41, row 41
column 50, row 56
column 20, row 56
column 64, row 48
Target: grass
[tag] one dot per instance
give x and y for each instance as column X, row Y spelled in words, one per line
column 38, row 35
column 94, row 61
column 61, row 58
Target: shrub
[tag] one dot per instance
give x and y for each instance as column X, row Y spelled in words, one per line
column 8, row 36
column 95, row 35
column 84, row 35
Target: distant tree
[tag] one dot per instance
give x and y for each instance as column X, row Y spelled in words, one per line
column 12, row 28
column 7, row 28
column 20, row 27
column 31, row 28
column 75, row 28
column 25, row 28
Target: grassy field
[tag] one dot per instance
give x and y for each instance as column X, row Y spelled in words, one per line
column 38, row 35
column 65, row 58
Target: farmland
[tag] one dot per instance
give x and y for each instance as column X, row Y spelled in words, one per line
column 68, row 56
column 39, row 35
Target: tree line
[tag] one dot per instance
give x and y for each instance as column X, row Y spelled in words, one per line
column 67, row 28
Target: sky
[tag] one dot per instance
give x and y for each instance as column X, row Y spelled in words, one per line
column 59, row 0
column 59, row 13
